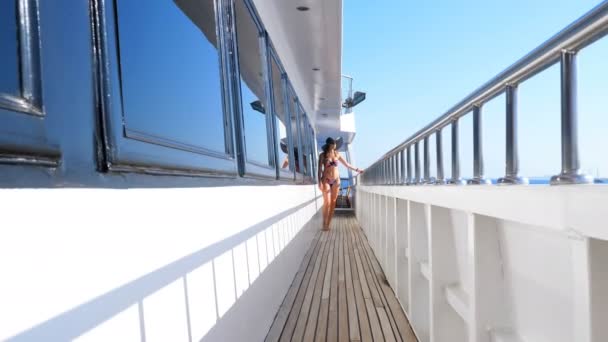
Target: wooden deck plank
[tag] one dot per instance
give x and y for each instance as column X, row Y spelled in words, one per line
column 340, row 294
column 374, row 321
column 364, row 326
column 298, row 333
column 353, row 319
column 361, row 272
column 371, row 312
column 386, row 325
column 321, row 331
column 332, row 324
column 367, row 277
column 376, row 283
column 370, row 276
column 399, row 321
column 281, row 319
column 313, row 315
column 343, row 334
column 295, row 312
column 298, row 287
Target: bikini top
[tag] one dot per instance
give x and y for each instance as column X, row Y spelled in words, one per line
column 329, row 162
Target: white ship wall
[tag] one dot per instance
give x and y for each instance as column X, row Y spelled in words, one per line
column 494, row 264
column 191, row 264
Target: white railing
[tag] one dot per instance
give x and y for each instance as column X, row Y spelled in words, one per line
column 495, row 263
column 489, row 264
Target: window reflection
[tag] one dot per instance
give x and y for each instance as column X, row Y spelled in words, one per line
column 171, row 73
column 252, row 86
column 280, row 117
column 9, row 45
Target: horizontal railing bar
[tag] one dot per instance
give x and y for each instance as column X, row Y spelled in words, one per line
column 587, row 29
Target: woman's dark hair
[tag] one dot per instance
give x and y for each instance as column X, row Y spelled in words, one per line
column 328, row 141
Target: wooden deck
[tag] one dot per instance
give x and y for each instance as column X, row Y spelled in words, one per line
column 340, row 293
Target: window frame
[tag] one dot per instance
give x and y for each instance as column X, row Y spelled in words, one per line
column 125, row 149
column 287, row 97
column 274, row 57
column 299, row 115
column 295, row 105
column 247, row 168
column 313, row 153
column 302, row 127
column 310, row 154
column 27, row 140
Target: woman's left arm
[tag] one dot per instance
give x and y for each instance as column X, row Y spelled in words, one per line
column 347, row 164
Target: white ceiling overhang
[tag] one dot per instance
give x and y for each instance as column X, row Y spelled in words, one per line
column 306, row 40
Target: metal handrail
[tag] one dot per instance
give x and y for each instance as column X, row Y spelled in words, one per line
column 561, row 48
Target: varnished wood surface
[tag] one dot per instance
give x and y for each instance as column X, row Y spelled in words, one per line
column 340, row 293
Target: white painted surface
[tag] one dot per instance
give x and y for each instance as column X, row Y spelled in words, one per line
column 307, row 40
column 425, row 270
column 402, row 265
column 60, row 249
column 347, row 127
column 458, row 300
column 524, row 263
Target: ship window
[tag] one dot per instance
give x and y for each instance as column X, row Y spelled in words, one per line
column 9, row 49
column 166, row 108
column 171, row 74
column 281, row 119
column 24, row 136
column 253, row 87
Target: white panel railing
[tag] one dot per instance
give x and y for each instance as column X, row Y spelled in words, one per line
column 490, row 264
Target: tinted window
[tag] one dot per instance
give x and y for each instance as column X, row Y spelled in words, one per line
column 171, row 72
column 252, row 86
column 9, row 46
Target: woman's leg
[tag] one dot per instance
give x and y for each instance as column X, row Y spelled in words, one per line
column 332, row 205
column 326, row 204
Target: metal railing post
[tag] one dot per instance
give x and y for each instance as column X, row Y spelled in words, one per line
column 440, row 178
column 477, row 149
column 570, row 173
column 455, row 180
column 389, row 170
column 409, row 165
column 396, row 167
column 392, row 169
column 403, row 179
column 427, row 163
column 512, row 158
column 384, row 172
column 417, row 179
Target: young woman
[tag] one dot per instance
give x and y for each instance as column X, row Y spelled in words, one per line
column 329, row 178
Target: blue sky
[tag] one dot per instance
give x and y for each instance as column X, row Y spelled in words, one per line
column 415, row 59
